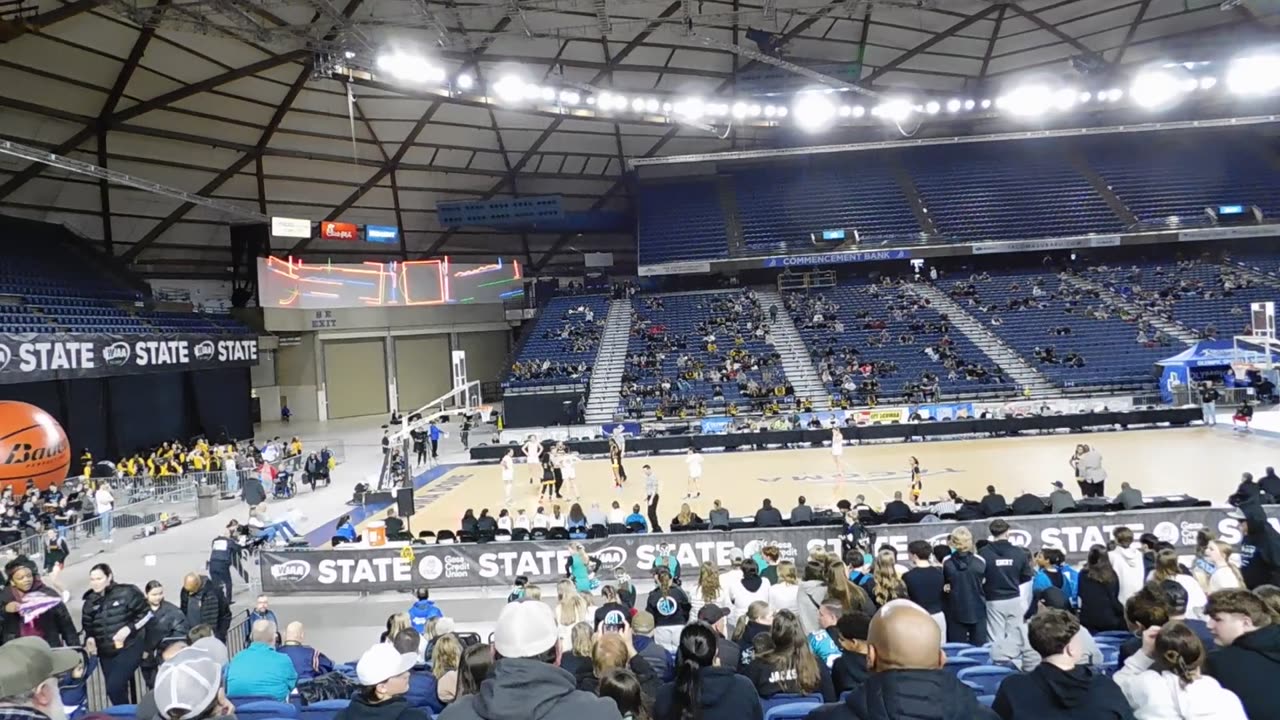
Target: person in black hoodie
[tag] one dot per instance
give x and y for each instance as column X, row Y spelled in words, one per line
column 113, row 617
column 849, row 671
column 1059, row 688
column 907, row 680
column 168, row 626
column 669, row 607
column 1260, row 548
column 1248, row 660
column 203, row 603
column 383, row 674
column 1270, row 483
column 993, row 503
column 1007, row 568
column 924, row 581
column 1099, row 593
column 963, row 572
column 54, row 624
column 702, row 688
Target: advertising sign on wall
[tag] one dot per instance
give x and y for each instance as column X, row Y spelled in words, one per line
column 30, row 358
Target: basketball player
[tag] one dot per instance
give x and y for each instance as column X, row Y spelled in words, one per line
column 615, row 460
column 548, row 477
column 568, row 461
column 837, row 449
column 694, row 461
column 532, row 450
column 917, row 484
column 508, row 473
column 557, row 452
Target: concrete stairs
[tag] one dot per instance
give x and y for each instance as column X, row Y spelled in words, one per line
column 606, row 373
column 1015, row 367
column 1169, row 327
column 796, row 362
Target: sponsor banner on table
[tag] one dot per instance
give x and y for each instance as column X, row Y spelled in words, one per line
column 61, row 356
column 543, row 561
column 882, row 416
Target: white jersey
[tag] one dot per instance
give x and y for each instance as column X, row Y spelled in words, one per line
column 567, row 463
column 504, row 523
column 694, row 461
column 508, row 467
column 522, row 521
column 540, row 520
column 531, row 452
column 837, row 445
column 621, row 439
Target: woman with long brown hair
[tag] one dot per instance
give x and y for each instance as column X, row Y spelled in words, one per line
column 852, row 597
column 669, row 607
column 789, row 666
column 1168, row 568
column 1162, row 681
column 707, row 591
column 888, row 584
column 1100, row 608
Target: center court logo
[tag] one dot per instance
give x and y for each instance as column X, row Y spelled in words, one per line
column 291, row 571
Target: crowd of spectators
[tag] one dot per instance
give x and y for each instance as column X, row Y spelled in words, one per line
column 1158, row 290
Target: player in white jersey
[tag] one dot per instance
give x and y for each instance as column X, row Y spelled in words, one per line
column 837, row 454
column 532, row 451
column 508, row 472
column 694, row 461
column 569, row 471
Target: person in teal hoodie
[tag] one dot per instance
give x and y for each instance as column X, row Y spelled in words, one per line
column 666, row 559
column 1052, row 570
column 580, row 569
column 421, row 612
column 258, row 670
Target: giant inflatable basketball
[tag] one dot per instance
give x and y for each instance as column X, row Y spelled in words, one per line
column 33, row 446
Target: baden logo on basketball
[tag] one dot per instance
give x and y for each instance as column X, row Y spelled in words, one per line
column 291, row 571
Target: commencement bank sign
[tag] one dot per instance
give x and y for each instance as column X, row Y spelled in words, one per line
column 836, row 258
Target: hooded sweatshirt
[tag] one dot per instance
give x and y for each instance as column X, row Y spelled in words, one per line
column 1129, row 569
column 725, row 695
column 907, row 695
column 396, row 708
column 1008, row 567
column 808, row 600
column 421, row 612
column 1050, row 693
column 524, row 689
column 965, row 603
column 1249, row 667
column 1155, row 695
column 744, row 592
column 1260, row 549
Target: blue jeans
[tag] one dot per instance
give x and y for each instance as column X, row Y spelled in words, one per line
column 105, row 518
column 233, row 481
column 283, row 529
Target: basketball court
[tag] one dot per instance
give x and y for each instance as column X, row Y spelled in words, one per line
column 1201, row 461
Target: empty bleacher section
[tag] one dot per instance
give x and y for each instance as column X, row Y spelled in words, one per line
column 876, row 343
column 681, row 221
column 711, row 348
column 1072, row 336
column 780, row 205
column 561, row 346
column 1006, row 191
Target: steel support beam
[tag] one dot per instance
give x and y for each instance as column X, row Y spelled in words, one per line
column 1128, row 36
column 933, row 40
column 1055, row 31
column 10, row 29
column 991, row 43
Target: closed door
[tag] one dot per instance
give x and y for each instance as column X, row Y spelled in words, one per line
column 422, row 370
column 355, row 377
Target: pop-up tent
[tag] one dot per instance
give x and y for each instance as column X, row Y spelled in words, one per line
column 1205, row 359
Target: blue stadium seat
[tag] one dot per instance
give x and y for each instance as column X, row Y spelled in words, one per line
column 541, row 343
column 987, row 677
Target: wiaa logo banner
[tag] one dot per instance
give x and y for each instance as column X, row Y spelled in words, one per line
column 64, row 356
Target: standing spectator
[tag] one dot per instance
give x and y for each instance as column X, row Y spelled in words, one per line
column 703, row 688
column 924, row 582
column 1007, row 567
column 113, row 617
column 1127, row 561
column 260, row 671
column 104, row 502
column 1060, row 687
column 741, row 592
column 1209, row 404
column 789, row 666
column 706, row 591
column 434, row 433
column 1248, row 659
column 963, row 574
column 423, row 610
column 526, row 683
column 670, row 609
column 784, row 591
column 1052, row 570
column 29, row 608
column 651, row 490
column 907, row 677
column 1260, row 548
column 202, row 603
column 1163, row 681
column 308, row 662
column 886, row 584
column 849, row 671
column 1099, row 592
column 1015, row 649
column 262, row 611
column 771, row 556
column 168, row 625
column 384, row 677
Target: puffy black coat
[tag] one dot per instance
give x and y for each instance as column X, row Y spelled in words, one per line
column 907, row 695
column 103, row 614
column 213, row 611
column 55, row 625
column 167, row 622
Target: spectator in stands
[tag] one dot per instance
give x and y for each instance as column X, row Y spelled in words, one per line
column 924, row 582
column 719, row 516
column 746, row 589
column 1167, row 567
column 708, row 589
column 635, row 519
column 896, row 510
column 1175, row 597
column 422, row 691
column 1129, row 498
column 308, row 662
column 1007, row 567
column 526, row 682
column 801, row 514
column 907, row 678
column 27, row 607
column 1146, row 608
column 613, row 651
column 1060, row 498
column 728, row 654
column 1016, row 651
column 992, row 503
column 1052, row 570
column 385, row 679
column 963, row 574
column 423, row 610
column 1248, row 661
column 1028, row 504
column 704, row 688
column 850, row 671
column 642, row 627
column 1214, row 569
column 1127, row 561
column 112, row 618
column 789, row 666
column 261, row 611
column 886, row 584
column 166, row 629
column 446, row 654
column 1163, row 680
column 624, row 688
column 768, row 515
column 616, row 515
column 1060, row 687
column 260, row 671
column 578, row 655
column 29, row 672
column 1099, row 592
column 1259, row 548
column 669, row 606
column 1270, row 483
column 767, row 558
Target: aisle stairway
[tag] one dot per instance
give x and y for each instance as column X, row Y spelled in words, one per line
column 796, row 361
column 606, row 373
column 1014, row 366
column 1169, row 327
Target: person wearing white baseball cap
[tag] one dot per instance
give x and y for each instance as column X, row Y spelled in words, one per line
column 29, row 671
column 527, row 682
column 383, row 674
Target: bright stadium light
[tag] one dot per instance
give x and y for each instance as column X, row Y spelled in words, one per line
column 591, row 100
column 739, row 110
column 569, row 97
column 953, row 105
column 465, row 81
column 509, row 89
column 666, row 107
column 652, row 105
column 932, row 107
column 845, row 111
column 770, row 111
column 1254, row 75
column 782, row 112
column 638, row 104
column 969, row 104
column 547, row 94
column 410, row 68
column 1086, row 96
column 986, row 104
column 1065, row 98
column 620, row 102
column 692, row 108
column 754, row 110
column 814, row 112
column 895, row 109
column 1208, row 82
column 859, row 111
column 1114, row 94
column 1026, row 100
column 1156, row 88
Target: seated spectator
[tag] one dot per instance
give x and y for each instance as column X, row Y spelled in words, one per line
column 260, row 671
column 1175, row 597
column 446, row 653
column 1162, row 681
column 525, row 682
column 614, row 651
column 1099, row 593
column 308, row 662
column 189, row 684
column 1060, row 499
column 788, row 665
column 719, row 516
column 635, row 518
column 423, row 610
column 650, row 651
column 992, row 503
column 669, row 606
column 1167, row 567
column 768, row 515
column 624, row 689
column 616, row 515
column 824, row 642
column 477, row 663
column 384, row 677
column 801, row 514
column 1014, row 649
column 1028, row 504
column 849, row 671
column 1147, row 608
column 907, row 680
column 745, row 589
column 422, row 691
column 609, row 602
column 1052, row 570
column 1060, row 686
column 1248, row 659
column 394, row 525
column 728, row 654
column 579, row 652
column 751, row 627
column 29, row 679
column 1129, row 497
column 896, row 510
column 1215, row 571
column 703, row 688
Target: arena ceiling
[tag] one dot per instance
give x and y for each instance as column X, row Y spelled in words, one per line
column 247, row 100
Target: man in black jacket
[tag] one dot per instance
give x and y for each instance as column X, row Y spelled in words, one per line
column 1270, row 483
column 1008, row 567
column 1260, row 547
column 896, row 510
column 1028, row 504
column 993, row 503
column 1060, row 688
column 728, row 652
column 907, row 680
column 1248, row 661
column 203, row 604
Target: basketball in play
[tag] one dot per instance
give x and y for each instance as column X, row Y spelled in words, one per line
column 33, row 446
